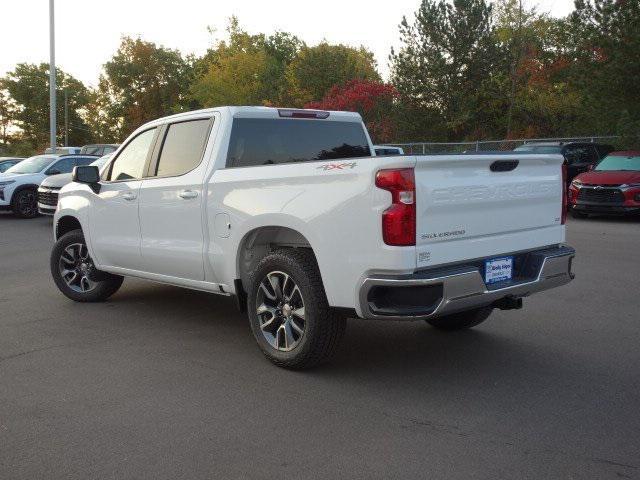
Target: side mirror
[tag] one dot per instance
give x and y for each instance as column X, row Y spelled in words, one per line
column 591, row 167
column 88, row 174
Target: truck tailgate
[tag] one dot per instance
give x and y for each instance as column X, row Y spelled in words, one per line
column 478, row 206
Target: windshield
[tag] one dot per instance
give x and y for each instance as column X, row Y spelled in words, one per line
column 539, row 148
column 619, row 163
column 101, row 161
column 32, row 165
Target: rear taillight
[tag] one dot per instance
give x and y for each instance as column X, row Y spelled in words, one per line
column 399, row 220
column 565, row 205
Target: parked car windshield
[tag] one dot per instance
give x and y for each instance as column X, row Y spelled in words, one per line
column 619, row 163
column 101, row 161
column 32, row 165
column 539, row 148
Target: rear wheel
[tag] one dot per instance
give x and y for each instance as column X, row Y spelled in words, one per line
column 75, row 274
column 288, row 311
column 461, row 320
column 25, row 203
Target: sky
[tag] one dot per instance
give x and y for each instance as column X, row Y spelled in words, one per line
column 88, row 32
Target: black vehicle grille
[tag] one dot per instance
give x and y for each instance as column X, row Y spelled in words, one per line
column 48, row 198
column 601, row 195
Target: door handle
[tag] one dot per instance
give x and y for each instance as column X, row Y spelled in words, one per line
column 187, row 194
column 129, row 196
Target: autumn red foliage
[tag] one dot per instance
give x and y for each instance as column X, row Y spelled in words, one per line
column 373, row 100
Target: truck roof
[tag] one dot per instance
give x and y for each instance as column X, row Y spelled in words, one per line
column 266, row 112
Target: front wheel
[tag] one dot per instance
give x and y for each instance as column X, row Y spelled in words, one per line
column 461, row 320
column 288, row 310
column 75, row 274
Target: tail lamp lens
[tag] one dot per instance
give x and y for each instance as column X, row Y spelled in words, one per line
column 565, row 205
column 399, row 220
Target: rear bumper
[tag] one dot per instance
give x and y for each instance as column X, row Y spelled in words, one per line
column 460, row 287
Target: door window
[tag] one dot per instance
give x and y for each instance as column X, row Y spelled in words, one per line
column 85, row 160
column 183, row 147
column 132, row 159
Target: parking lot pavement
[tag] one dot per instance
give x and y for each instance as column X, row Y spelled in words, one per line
column 160, row 382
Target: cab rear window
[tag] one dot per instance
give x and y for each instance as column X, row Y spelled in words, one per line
column 266, row 141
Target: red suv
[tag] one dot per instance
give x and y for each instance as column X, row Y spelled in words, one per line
column 613, row 186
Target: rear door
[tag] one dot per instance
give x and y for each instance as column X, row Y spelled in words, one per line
column 113, row 218
column 171, row 201
column 477, row 206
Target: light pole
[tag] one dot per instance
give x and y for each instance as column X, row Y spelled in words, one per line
column 66, row 119
column 52, row 78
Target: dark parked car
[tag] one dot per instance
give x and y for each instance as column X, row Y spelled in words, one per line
column 8, row 162
column 99, row 149
column 579, row 156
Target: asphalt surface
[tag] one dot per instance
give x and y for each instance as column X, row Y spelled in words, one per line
column 166, row 383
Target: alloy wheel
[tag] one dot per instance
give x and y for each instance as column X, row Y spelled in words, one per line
column 76, row 267
column 280, row 310
column 27, row 204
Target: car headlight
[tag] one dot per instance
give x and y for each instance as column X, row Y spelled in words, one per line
column 4, row 184
column 576, row 183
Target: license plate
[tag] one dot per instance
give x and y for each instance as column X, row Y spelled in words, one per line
column 498, row 270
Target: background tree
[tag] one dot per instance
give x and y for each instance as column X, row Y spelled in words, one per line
column 143, row 82
column 245, row 69
column 605, row 47
column 315, row 70
column 28, row 86
column 447, row 57
column 7, row 112
column 533, row 97
column 373, row 100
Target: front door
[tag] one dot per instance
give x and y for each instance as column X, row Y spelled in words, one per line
column 171, row 202
column 113, row 218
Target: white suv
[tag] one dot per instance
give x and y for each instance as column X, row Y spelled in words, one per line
column 19, row 184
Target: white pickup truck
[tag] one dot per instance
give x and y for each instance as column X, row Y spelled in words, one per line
column 292, row 212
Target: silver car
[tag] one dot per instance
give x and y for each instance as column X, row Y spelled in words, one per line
column 50, row 186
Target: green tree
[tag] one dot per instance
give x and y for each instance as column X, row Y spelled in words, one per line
column 7, row 112
column 532, row 96
column 605, row 42
column 28, row 86
column 446, row 61
column 236, row 79
column 140, row 83
column 315, row 70
column 244, row 69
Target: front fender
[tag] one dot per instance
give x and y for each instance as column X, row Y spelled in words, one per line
column 75, row 203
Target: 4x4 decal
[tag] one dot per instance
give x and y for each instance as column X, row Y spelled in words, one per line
column 336, row 166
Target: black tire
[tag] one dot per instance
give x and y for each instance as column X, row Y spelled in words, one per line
column 577, row 214
column 24, row 203
column 323, row 327
column 462, row 320
column 102, row 284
